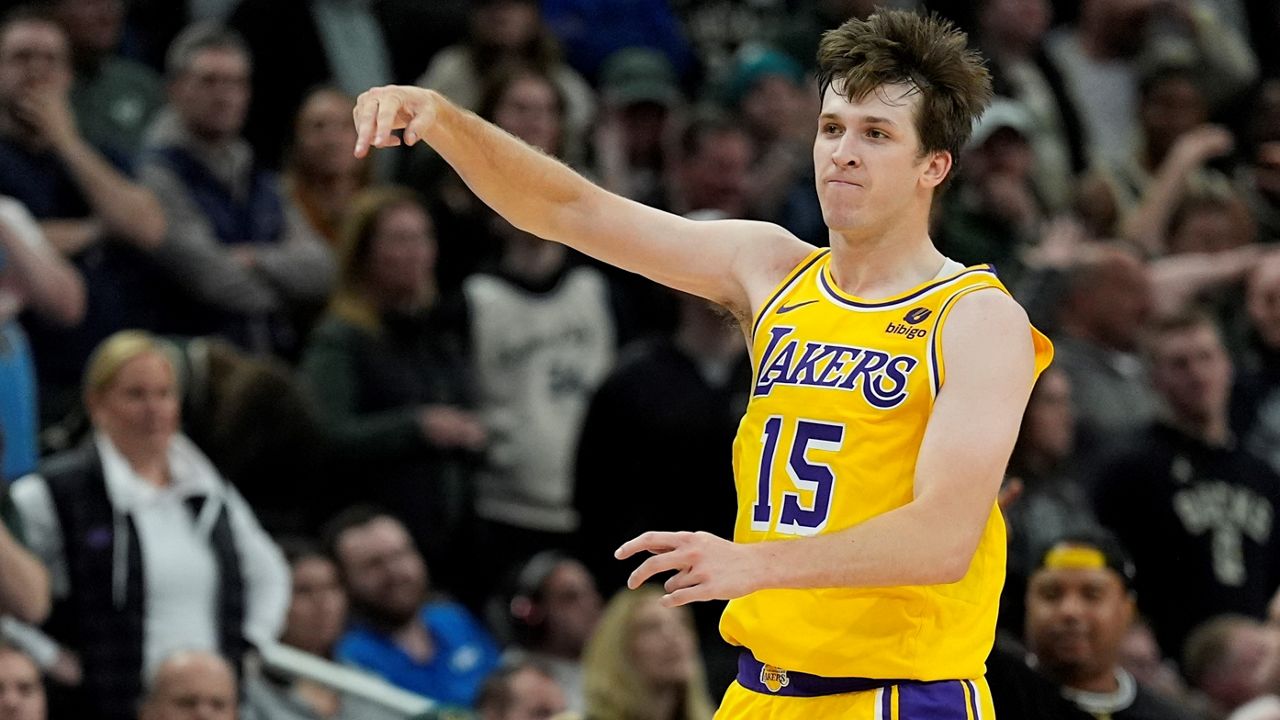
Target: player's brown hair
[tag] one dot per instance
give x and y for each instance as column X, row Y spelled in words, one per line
column 926, row 53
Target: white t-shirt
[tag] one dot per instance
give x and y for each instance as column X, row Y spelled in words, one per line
column 177, row 558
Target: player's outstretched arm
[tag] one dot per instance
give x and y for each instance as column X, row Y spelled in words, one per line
column 726, row 261
column 990, row 369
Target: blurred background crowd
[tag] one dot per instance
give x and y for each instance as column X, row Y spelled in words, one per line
column 258, row 396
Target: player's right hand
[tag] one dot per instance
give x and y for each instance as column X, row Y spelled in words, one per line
column 382, row 110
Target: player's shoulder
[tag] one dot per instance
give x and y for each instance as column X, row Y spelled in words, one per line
column 988, row 328
column 989, row 307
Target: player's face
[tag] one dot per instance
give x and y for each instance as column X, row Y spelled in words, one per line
column 1076, row 619
column 212, row 95
column 34, row 55
column 663, row 647
column 867, row 160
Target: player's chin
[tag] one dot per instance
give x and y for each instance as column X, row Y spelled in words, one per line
column 843, row 220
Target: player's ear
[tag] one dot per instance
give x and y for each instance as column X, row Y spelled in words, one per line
column 937, row 167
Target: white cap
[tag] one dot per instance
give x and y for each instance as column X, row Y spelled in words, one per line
column 1002, row 113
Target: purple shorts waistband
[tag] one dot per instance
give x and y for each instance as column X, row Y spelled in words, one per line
column 769, row 680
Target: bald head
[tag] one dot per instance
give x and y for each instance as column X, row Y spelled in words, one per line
column 21, row 692
column 192, row 685
column 1108, row 299
column 1227, row 658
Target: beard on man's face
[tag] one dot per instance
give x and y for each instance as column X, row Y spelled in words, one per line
column 383, row 611
column 392, row 603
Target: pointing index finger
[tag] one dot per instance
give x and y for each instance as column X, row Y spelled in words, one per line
column 366, row 113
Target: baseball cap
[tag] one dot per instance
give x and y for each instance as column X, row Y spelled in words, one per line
column 1002, row 113
column 639, row 74
column 1091, row 550
column 755, row 62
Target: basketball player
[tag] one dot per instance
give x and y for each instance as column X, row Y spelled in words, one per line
column 889, row 384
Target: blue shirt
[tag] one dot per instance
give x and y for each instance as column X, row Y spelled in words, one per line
column 464, row 656
column 18, row 415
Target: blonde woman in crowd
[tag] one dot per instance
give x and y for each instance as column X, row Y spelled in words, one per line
column 643, row 662
column 149, row 549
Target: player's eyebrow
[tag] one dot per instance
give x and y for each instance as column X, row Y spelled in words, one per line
column 865, row 119
column 877, row 120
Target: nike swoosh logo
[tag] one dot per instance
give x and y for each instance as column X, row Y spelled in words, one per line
column 788, row 308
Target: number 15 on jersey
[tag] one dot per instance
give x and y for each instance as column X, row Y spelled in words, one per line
column 815, row 479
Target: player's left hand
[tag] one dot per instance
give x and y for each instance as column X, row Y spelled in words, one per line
column 707, row 567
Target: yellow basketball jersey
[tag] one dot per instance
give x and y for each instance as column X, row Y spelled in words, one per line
column 842, row 393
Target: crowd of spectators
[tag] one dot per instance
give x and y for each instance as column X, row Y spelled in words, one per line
column 255, row 391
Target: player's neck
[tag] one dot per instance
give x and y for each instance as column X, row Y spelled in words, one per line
column 884, row 265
